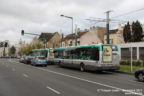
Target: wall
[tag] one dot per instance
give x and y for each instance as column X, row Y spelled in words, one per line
column 54, row 42
column 117, row 37
column 93, row 36
column 138, row 50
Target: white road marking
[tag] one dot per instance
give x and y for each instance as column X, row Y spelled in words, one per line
column 55, row 91
column 25, row 75
column 93, row 82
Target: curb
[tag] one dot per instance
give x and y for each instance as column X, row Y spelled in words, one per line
column 124, row 72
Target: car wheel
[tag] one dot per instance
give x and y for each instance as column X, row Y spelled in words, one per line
column 82, row 69
column 141, row 77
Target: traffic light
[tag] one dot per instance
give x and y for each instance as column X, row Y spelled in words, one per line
column 1, row 44
column 22, row 32
column 6, row 44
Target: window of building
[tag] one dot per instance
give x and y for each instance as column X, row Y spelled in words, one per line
column 78, row 42
column 70, row 44
column 141, row 53
column 126, row 53
column 111, row 41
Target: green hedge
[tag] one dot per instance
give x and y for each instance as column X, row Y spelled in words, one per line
column 135, row 62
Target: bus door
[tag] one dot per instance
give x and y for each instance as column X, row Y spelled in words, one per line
column 68, row 58
column 51, row 55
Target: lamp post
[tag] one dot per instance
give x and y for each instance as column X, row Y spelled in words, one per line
column 72, row 25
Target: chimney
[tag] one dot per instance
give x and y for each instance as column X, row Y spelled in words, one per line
column 120, row 27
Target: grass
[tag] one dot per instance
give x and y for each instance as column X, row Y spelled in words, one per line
column 127, row 68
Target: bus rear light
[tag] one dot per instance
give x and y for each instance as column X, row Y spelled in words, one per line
column 103, row 65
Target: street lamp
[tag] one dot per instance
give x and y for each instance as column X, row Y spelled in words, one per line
column 72, row 25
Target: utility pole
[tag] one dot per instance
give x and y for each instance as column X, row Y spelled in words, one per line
column 107, row 25
column 72, row 33
column 131, row 50
column 62, row 40
column 4, row 49
column 72, row 26
column 61, row 37
column 76, row 35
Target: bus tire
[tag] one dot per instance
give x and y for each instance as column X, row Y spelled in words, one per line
column 82, row 67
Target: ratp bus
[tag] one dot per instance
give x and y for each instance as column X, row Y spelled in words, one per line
column 47, row 53
column 98, row 57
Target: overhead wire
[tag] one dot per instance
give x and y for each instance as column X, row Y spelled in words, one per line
column 131, row 12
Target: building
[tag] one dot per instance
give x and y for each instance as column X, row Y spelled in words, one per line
column 87, row 37
column 18, row 47
column 2, row 49
column 52, row 40
column 67, row 41
column 137, row 51
column 115, row 36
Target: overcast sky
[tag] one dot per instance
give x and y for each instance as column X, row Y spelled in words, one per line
column 36, row 16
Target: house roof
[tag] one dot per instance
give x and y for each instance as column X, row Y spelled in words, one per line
column 47, row 36
column 114, row 31
column 70, row 36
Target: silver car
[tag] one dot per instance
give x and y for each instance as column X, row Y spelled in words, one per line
column 39, row 60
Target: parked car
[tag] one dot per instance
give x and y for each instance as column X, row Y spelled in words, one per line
column 22, row 58
column 18, row 57
column 139, row 74
column 27, row 59
column 39, row 60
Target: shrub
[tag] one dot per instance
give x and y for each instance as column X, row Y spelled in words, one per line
column 135, row 62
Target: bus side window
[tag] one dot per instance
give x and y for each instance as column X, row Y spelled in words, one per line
column 83, row 54
column 96, row 53
column 61, row 54
column 67, row 54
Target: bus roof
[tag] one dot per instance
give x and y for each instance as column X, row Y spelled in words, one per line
column 40, row 50
column 86, row 46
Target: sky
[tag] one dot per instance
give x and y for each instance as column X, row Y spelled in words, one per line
column 36, row 16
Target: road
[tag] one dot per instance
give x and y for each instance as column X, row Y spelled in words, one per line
column 18, row 79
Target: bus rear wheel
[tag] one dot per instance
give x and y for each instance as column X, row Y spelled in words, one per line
column 82, row 69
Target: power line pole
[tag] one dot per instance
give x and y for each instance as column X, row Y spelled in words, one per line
column 4, row 49
column 107, row 25
column 76, row 35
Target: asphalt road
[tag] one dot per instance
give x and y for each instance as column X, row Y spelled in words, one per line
column 18, row 79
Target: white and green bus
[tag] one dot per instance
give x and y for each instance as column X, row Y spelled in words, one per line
column 98, row 57
column 47, row 53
